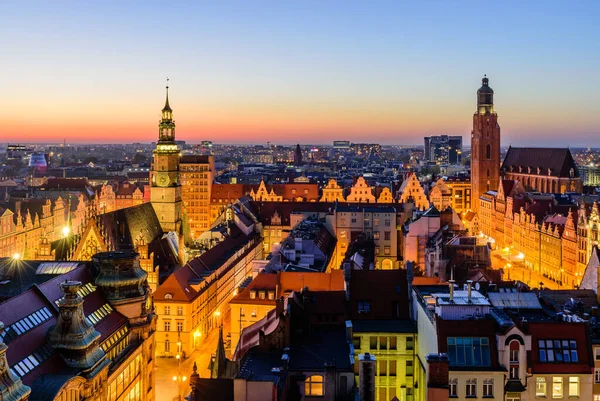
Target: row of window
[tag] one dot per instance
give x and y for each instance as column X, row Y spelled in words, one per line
column 179, row 310
column 262, row 294
column 30, row 362
column 471, row 388
column 469, row 351
column 22, row 326
column 558, row 351
column 96, row 316
column 124, row 379
column 557, row 389
column 384, row 343
column 168, row 325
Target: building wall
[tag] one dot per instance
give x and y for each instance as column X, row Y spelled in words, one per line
column 586, row 386
column 206, row 311
column 393, row 375
column 196, row 185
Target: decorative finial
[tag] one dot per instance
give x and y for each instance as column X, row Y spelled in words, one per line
column 195, row 368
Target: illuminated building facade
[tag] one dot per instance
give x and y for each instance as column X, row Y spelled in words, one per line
column 197, row 174
column 411, row 190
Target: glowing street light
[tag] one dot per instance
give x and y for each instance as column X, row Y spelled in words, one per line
column 66, row 231
column 16, row 256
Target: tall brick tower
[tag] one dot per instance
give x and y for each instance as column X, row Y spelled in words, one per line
column 485, row 145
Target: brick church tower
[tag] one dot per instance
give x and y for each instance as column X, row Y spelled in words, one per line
column 485, row 146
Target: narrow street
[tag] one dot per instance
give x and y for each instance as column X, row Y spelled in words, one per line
column 167, row 368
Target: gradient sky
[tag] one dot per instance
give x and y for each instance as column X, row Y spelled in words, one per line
column 283, row 71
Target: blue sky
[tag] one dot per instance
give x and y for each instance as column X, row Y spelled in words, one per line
column 300, row 71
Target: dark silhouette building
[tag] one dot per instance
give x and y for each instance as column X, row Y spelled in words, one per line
column 298, row 156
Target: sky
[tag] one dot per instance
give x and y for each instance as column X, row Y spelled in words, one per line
column 298, row 71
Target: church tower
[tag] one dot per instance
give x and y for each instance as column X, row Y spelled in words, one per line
column 165, row 188
column 485, row 145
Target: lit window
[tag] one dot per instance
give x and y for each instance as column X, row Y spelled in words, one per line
column 313, row 386
column 573, row 386
column 167, row 310
column 597, row 375
column 557, row 387
column 167, row 325
column 179, row 310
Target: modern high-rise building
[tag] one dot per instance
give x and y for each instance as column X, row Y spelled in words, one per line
column 197, row 175
column 443, row 149
column 165, row 190
column 485, row 145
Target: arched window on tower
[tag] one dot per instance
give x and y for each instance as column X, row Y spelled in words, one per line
column 488, row 151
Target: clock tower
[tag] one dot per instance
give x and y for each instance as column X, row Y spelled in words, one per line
column 165, row 188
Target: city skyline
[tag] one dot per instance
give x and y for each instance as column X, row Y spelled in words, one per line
column 308, row 73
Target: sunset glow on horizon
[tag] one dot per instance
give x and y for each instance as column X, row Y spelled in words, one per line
column 310, row 72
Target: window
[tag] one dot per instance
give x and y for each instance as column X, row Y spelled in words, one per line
column 410, row 343
column 167, row 346
column 597, row 352
column 387, row 250
column 558, row 351
column 261, row 295
column 167, row 325
column 472, row 388
column 252, row 294
column 557, row 387
column 387, row 223
column 271, row 295
column 383, row 343
column 167, row 310
column 453, row 387
column 469, row 351
column 382, row 367
column 376, row 235
column 364, row 306
column 356, row 342
column 313, row 386
column 373, row 342
column 409, row 368
column 488, row 388
column 514, row 372
column 180, row 311
column 596, row 375
column 392, row 370
column 573, row 386
column 514, row 355
column 387, row 235
column 393, row 342
column 488, row 151
column 179, row 326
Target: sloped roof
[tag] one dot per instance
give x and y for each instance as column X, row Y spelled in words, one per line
column 124, row 226
column 558, row 160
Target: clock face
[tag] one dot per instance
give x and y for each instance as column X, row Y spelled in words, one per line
column 163, row 180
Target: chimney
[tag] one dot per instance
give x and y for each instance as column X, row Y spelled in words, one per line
column 469, row 284
column 330, row 381
column 437, row 377
column 451, row 286
column 409, row 278
column 279, row 306
column 366, row 374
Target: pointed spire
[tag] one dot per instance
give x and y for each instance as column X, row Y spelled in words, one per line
column 219, row 365
column 167, row 107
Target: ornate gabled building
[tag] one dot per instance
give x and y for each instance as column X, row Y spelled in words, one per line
column 546, row 170
column 485, row 144
column 332, row 192
column 411, row 190
column 361, row 192
column 440, row 195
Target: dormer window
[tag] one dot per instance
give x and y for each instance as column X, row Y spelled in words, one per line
column 261, row 295
column 168, row 296
column 252, row 294
column 271, row 295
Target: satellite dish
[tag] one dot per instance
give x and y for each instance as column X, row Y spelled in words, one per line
column 477, row 286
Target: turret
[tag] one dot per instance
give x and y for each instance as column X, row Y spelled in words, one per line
column 485, row 97
column 124, row 284
column 73, row 336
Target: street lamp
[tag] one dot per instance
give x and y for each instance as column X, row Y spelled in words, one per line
column 16, row 256
column 66, row 231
